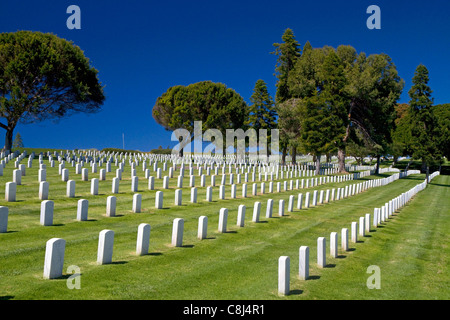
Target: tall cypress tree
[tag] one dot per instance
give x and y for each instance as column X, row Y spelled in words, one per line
column 262, row 110
column 287, row 52
column 424, row 126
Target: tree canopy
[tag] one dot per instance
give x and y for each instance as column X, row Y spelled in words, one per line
column 44, row 77
column 217, row 106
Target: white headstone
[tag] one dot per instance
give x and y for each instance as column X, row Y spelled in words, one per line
column 3, row 219
column 334, row 244
column 209, row 194
column 256, row 211
column 43, row 190
column 82, row 210
column 304, row 262
column 70, row 189
column 17, row 176
column 300, row 201
column 223, row 217
column 159, row 200
column 194, row 195
column 354, row 232
column 84, row 174
column 281, row 207
column 137, row 202
column 111, row 206
column 42, row 175
column 283, row 275
column 134, row 184
column 177, row 232
column 105, row 247
column 143, row 239
column 94, row 186
column 178, row 197
column 46, row 218
column 202, row 227
column 241, row 215
column 269, row 208
column 54, row 258
column 151, row 183
column 344, row 239
column 321, row 252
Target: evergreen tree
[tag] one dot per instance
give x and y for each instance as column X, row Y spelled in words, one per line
column 262, row 114
column 262, row 110
column 424, row 124
column 18, row 143
column 287, row 54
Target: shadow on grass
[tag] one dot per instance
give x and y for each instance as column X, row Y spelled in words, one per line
column 439, row 185
column 6, row 297
column 295, row 292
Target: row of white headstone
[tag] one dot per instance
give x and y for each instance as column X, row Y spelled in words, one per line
column 11, row 187
column 380, row 215
column 47, row 206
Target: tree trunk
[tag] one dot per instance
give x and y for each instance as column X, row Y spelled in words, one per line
column 318, row 165
column 341, row 161
column 377, row 170
column 8, row 139
column 283, row 155
column 294, row 154
column 180, row 153
column 424, row 166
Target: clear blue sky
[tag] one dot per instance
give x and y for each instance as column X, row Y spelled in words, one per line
column 143, row 47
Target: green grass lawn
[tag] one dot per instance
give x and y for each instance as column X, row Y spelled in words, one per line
column 411, row 249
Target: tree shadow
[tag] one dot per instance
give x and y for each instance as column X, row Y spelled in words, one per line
column 440, row 185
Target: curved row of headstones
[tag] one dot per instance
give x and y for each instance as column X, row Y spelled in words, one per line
column 358, row 228
column 55, row 247
column 11, row 187
column 47, row 206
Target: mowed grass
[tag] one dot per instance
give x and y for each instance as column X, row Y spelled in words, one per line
column 411, row 249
